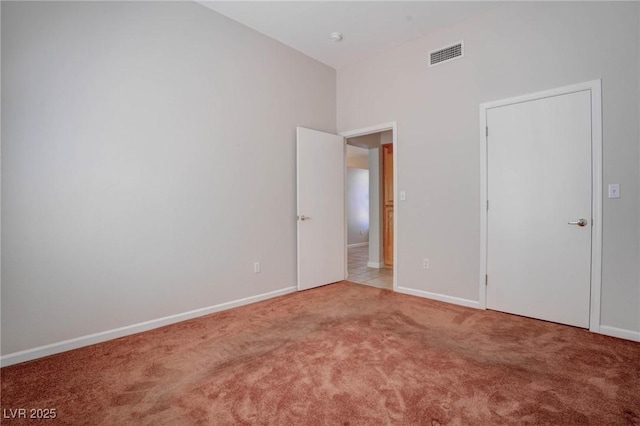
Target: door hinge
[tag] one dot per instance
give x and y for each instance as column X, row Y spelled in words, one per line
column 487, row 204
column 486, row 279
column 486, row 131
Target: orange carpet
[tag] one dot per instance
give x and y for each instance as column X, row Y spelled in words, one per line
column 343, row 354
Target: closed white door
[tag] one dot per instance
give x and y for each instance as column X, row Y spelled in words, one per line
column 321, row 208
column 539, row 220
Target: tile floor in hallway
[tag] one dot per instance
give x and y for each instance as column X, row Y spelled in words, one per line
column 359, row 272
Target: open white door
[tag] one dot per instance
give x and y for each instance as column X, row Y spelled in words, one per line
column 321, row 221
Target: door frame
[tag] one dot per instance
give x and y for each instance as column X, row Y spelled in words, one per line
column 393, row 126
column 595, row 89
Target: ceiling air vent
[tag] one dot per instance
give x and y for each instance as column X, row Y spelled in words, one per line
column 446, row 54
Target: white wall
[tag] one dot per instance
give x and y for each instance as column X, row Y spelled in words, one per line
column 375, row 209
column 148, row 160
column 386, row 137
column 371, row 140
column 514, row 49
column 357, row 158
column 357, row 206
column 639, row 162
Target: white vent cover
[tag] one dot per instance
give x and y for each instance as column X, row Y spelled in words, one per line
column 446, row 54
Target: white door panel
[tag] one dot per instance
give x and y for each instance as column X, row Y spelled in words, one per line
column 320, row 198
column 538, row 180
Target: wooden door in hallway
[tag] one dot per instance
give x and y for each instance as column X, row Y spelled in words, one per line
column 387, row 189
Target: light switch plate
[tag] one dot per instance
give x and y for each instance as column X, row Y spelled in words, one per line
column 614, row 190
column 403, row 195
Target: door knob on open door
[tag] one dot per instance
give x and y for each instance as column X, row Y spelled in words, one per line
column 303, row 217
column 579, row 222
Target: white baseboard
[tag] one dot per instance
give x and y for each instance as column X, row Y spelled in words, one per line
column 375, row 265
column 440, row 297
column 620, row 332
column 603, row 329
column 357, row 245
column 91, row 339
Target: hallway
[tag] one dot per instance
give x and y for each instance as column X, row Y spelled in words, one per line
column 360, row 273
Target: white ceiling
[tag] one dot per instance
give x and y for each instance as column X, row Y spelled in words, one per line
column 369, row 27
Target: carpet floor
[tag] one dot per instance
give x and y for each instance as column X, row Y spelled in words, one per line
column 343, row 354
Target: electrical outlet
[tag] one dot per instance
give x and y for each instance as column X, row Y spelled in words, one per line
column 425, row 263
column 257, row 268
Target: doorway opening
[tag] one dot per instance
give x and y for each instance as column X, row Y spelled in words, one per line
column 370, row 206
